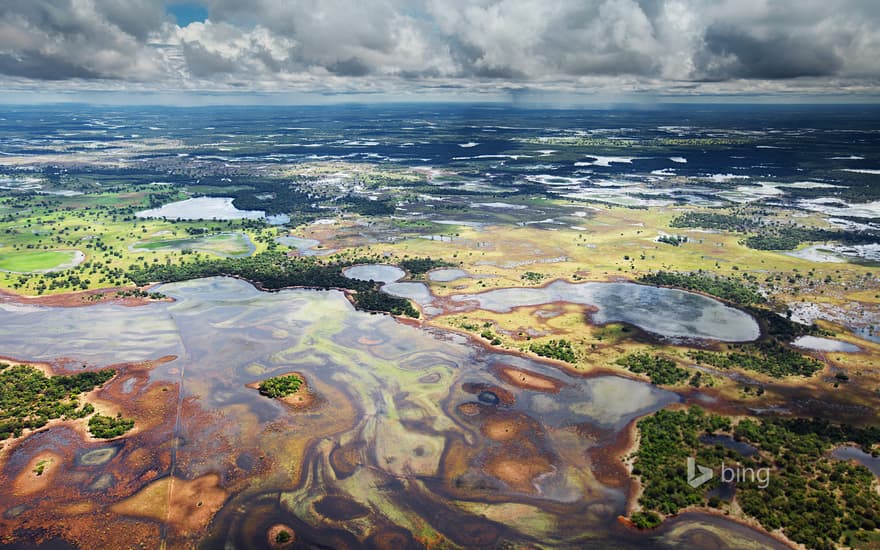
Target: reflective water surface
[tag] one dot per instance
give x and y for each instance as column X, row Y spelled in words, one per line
column 416, row 435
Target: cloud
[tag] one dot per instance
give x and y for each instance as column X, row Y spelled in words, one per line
column 352, row 66
column 592, row 46
column 136, row 18
column 43, row 66
column 734, row 53
column 60, row 39
column 203, row 62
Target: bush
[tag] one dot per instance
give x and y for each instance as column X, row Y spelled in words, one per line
column 280, row 386
column 646, row 520
column 555, row 349
column 659, row 369
column 108, row 427
column 29, row 399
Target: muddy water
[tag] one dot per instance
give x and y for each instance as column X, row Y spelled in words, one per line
column 403, row 444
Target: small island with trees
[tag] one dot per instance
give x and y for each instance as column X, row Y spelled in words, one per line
column 290, row 388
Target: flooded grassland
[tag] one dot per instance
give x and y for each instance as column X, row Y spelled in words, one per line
column 415, row 437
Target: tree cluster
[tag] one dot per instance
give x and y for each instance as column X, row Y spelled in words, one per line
column 660, row 370
column 816, row 500
column 732, row 290
column 771, row 358
column 280, row 386
column 29, row 399
column 108, row 427
column 273, row 270
column 555, row 349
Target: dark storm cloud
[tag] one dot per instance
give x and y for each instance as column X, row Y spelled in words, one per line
column 734, row 53
column 42, row 67
column 349, row 67
column 370, row 45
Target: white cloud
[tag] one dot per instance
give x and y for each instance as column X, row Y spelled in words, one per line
column 664, row 46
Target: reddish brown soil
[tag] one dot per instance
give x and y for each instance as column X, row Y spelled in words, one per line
column 78, row 299
column 514, row 450
column 528, row 380
column 505, row 397
column 64, row 509
column 186, row 506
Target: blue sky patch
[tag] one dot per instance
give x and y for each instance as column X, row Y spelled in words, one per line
column 187, row 12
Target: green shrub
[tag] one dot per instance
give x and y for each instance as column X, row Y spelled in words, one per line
column 280, row 386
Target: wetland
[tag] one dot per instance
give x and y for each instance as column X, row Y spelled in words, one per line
column 395, row 408
column 436, row 326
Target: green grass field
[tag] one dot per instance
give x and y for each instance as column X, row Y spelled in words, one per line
column 28, row 262
column 43, row 232
column 223, row 244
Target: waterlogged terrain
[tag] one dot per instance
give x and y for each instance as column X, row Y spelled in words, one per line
column 665, row 312
column 414, row 435
column 501, row 414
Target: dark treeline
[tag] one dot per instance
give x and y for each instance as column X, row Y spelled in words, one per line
column 285, row 198
column 714, row 220
column 770, row 358
column 273, row 270
column 791, row 237
column 770, row 235
column 782, row 329
column 725, row 288
column 367, row 207
column 420, row 266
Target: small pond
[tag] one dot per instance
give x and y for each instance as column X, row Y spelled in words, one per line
column 854, row 453
column 728, row 442
column 375, row 272
column 816, row 343
column 447, row 275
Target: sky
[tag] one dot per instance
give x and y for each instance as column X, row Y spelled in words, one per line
column 321, row 50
